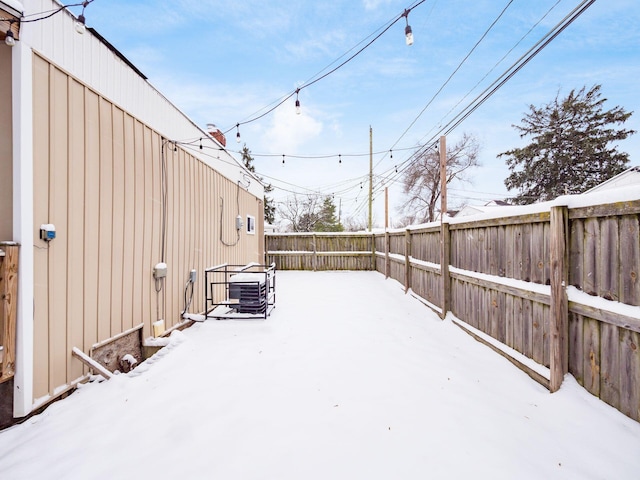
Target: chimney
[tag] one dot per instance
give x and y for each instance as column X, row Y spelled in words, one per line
column 217, row 134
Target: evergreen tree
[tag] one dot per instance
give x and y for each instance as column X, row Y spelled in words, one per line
column 327, row 221
column 269, row 207
column 572, row 147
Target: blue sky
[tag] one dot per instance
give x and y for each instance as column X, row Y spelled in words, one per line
column 224, row 61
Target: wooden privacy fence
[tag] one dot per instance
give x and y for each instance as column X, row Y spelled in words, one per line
column 8, row 300
column 321, row 251
column 557, row 284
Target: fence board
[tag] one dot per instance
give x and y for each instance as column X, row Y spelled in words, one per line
column 630, row 373
column 630, row 260
column 576, row 341
column 576, row 254
column 591, row 253
column 591, row 359
column 609, row 259
column 539, row 339
column 537, row 256
column 609, row 364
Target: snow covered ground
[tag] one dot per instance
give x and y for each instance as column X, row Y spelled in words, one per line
column 348, row 379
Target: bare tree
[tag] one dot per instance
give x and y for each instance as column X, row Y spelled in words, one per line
column 310, row 213
column 421, row 180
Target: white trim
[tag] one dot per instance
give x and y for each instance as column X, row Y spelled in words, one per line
column 22, row 108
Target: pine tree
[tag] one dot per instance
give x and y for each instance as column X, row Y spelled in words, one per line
column 327, row 218
column 269, row 207
column 572, row 147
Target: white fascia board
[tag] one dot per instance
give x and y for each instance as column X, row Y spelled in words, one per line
column 12, row 6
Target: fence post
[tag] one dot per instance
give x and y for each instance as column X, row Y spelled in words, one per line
column 559, row 322
column 8, row 302
column 445, row 249
column 374, row 263
column 386, row 255
column 314, row 239
column 407, row 260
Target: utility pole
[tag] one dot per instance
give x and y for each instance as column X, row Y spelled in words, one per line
column 386, row 208
column 370, row 178
column 443, row 177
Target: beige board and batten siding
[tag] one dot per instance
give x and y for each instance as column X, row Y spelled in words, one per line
column 98, row 178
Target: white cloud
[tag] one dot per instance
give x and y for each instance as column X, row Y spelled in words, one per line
column 288, row 132
column 374, row 4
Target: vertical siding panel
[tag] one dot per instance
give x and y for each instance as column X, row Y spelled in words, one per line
column 146, row 260
column 129, row 193
column 106, row 221
column 182, row 243
column 138, row 276
column 117, row 222
column 91, row 219
column 173, row 235
column 41, row 125
column 158, row 158
column 58, row 352
column 76, row 196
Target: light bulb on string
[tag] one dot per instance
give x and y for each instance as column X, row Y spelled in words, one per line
column 80, row 24
column 407, row 30
column 200, row 143
column 9, row 39
column 81, row 21
column 340, row 158
column 238, row 132
column 298, row 111
column 283, row 159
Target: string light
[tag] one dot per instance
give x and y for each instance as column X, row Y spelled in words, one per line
column 297, row 102
column 339, row 158
column 407, row 30
column 9, row 39
column 409, row 37
column 238, row 132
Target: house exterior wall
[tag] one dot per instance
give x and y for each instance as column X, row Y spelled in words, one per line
column 116, row 167
column 104, row 179
column 6, row 150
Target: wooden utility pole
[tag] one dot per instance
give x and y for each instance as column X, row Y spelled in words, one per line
column 370, row 178
column 386, row 207
column 443, row 176
column 445, row 245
